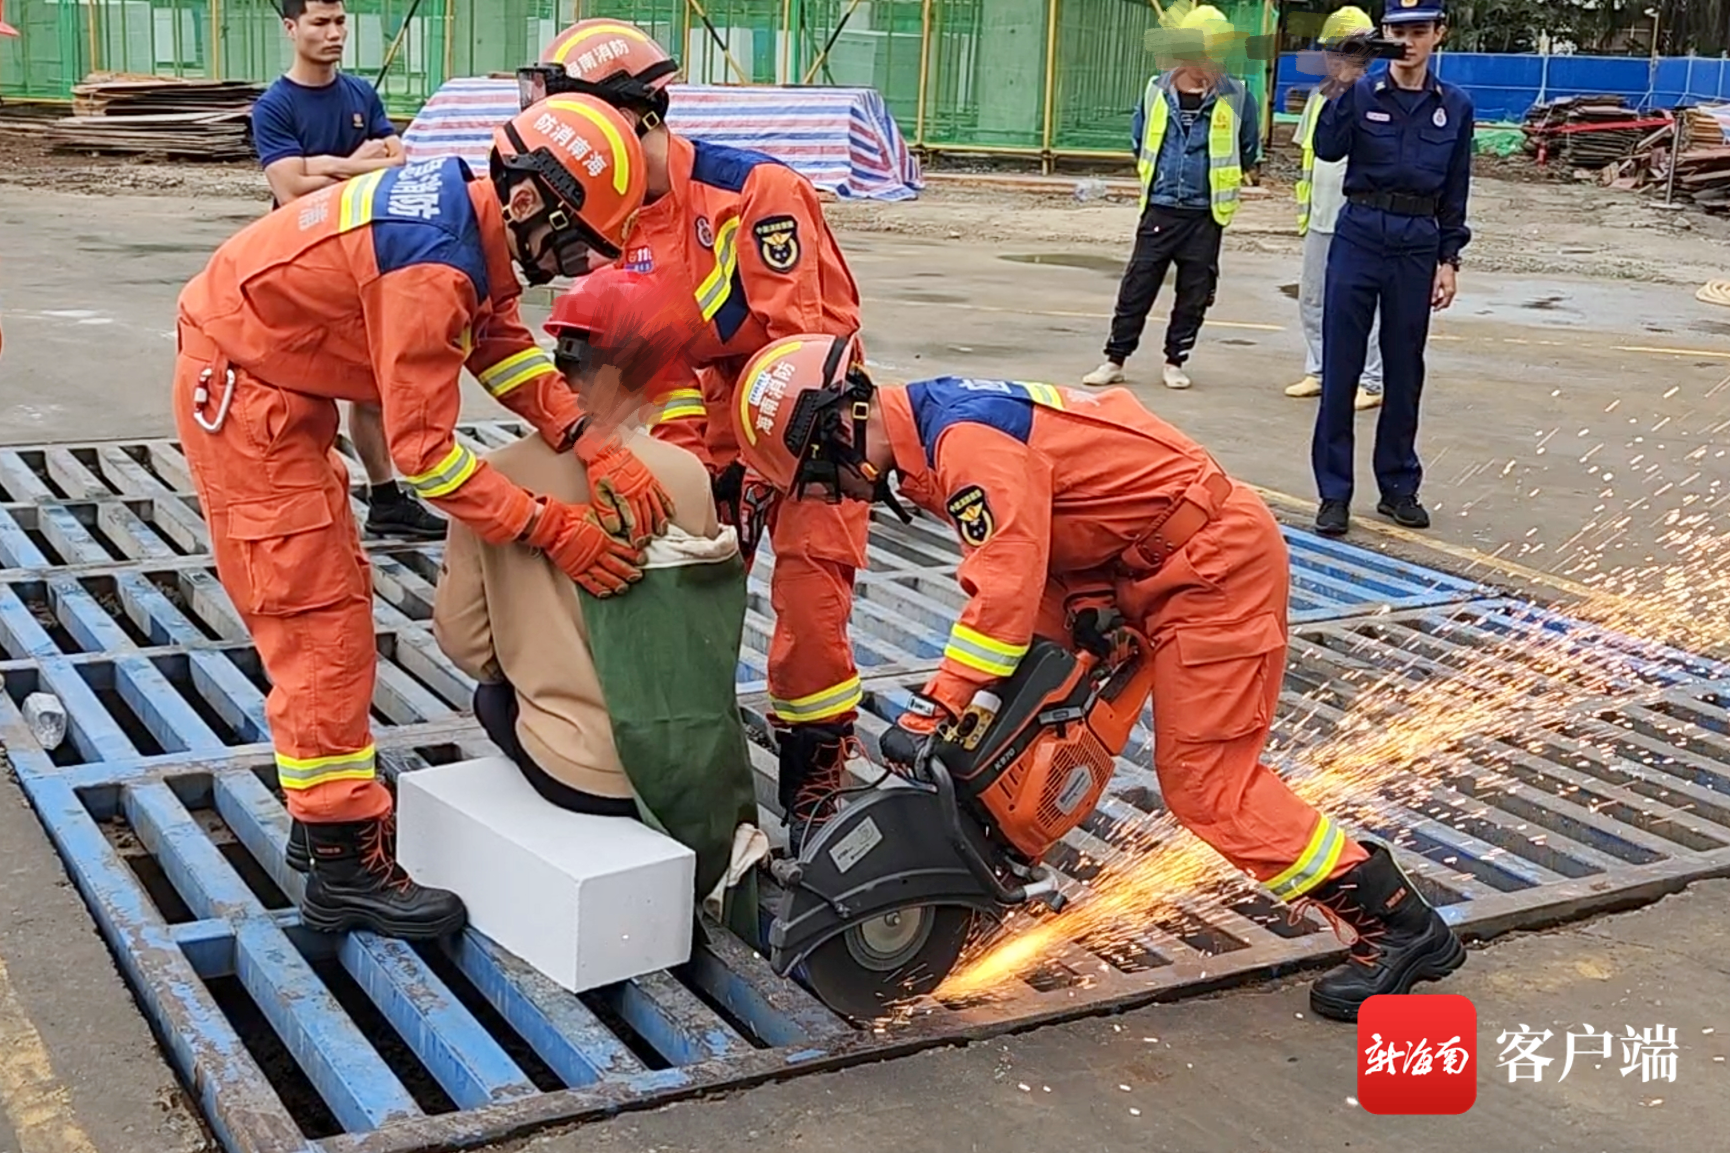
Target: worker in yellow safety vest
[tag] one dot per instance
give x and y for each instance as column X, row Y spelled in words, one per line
column 1195, row 134
column 1320, row 194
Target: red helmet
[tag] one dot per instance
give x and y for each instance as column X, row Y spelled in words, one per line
column 795, row 397
column 588, row 168
column 578, row 318
column 616, row 61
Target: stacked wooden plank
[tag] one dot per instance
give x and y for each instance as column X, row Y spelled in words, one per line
column 197, row 119
column 1583, row 131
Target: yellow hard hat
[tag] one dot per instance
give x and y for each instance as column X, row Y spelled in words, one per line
column 1204, row 18
column 1345, row 22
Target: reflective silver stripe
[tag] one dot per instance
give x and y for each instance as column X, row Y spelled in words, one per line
column 820, row 706
column 986, row 654
column 716, row 287
column 458, row 465
column 1313, row 867
column 305, row 772
column 513, row 370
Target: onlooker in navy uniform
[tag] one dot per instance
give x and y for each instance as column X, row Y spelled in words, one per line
column 1407, row 136
column 316, row 127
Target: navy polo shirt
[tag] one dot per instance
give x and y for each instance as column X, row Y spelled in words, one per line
column 294, row 120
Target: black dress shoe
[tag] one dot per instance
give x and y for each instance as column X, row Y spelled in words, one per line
column 1404, row 511
column 1333, row 518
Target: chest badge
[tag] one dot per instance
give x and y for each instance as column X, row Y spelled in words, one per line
column 705, row 233
column 358, row 122
column 972, row 513
column 778, row 242
column 1440, row 119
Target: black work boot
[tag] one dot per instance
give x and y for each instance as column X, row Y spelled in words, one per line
column 356, row 883
column 813, row 770
column 298, row 856
column 1404, row 511
column 1401, row 940
column 393, row 512
column 1333, row 518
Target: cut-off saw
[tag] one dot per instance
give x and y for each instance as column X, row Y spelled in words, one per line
column 883, row 898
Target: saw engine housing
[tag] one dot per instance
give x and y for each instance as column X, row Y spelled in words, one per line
column 1037, row 768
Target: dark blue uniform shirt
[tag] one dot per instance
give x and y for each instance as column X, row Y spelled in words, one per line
column 1424, row 151
column 293, row 120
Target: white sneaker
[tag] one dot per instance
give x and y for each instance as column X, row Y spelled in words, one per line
column 1175, row 377
column 1308, row 386
column 1107, row 373
column 1367, row 400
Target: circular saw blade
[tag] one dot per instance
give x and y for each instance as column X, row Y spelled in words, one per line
column 866, row 970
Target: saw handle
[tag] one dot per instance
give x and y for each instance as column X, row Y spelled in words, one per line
column 1118, row 708
column 931, row 769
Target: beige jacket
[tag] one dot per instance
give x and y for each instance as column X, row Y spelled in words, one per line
column 506, row 612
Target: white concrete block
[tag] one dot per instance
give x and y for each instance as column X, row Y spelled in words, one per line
column 586, row 900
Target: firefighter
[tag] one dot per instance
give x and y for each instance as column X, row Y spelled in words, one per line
column 1072, row 506
column 381, row 290
column 747, row 236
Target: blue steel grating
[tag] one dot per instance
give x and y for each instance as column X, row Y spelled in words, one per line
column 159, row 804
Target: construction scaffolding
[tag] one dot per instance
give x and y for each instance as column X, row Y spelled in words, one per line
column 1038, row 78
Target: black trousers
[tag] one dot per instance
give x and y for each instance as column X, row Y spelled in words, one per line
column 1190, row 238
column 496, row 709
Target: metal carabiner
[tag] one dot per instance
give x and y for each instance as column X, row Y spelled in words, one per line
column 201, row 397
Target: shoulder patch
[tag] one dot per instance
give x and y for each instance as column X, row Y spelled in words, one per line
column 778, row 242
column 972, row 513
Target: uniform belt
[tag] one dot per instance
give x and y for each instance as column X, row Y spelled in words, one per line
column 195, row 345
column 1198, row 505
column 1398, row 203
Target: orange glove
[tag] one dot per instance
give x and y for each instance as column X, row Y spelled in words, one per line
column 628, row 500
column 569, row 534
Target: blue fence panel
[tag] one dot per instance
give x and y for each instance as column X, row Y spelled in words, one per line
column 1504, row 86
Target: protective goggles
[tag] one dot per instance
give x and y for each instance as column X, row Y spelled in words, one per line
column 814, row 430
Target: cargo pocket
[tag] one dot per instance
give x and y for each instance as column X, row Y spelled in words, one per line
column 297, row 556
column 1213, row 683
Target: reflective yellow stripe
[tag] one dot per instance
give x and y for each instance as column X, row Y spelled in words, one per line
column 1046, row 394
column 620, row 158
column 744, row 387
column 563, row 55
column 713, row 292
column 466, row 341
column 681, row 404
column 354, row 205
column 514, row 370
column 305, row 772
column 458, row 465
column 1315, row 865
column 820, row 706
column 978, row 651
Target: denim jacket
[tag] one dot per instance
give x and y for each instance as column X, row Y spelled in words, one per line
column 1180, row 176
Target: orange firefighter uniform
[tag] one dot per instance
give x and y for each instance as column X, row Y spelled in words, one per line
column 378, row 290
column 748, row 234
column 1065, row 500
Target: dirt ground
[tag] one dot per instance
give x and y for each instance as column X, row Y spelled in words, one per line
column 1577, row 321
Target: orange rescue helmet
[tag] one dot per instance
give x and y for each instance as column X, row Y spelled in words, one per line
column 588, row 167
column 612, row 59
column 795, row 398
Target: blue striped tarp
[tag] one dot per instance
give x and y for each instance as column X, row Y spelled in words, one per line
column 843, row 140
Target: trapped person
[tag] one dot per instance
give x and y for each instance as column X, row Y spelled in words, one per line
column 314, row 127
column 1195, row 133
column 1407, row 137
column 620, row 707
column 1070, row 506
column 1320, row 194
